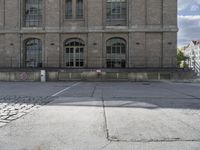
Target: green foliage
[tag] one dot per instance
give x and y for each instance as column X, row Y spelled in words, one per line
column 181, row 59
column 180, row 56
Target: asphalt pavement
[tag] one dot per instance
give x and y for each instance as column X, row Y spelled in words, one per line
column 99, row 115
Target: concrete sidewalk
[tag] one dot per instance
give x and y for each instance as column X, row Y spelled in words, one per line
column 67, row 125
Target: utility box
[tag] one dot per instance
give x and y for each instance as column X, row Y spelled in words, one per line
column 43, row 75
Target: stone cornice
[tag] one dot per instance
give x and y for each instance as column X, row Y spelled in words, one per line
column 95, row 30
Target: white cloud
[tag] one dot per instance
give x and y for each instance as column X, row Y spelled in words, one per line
column 184, row 4
column 189, row 29
column 189, row 24
column 194, row 8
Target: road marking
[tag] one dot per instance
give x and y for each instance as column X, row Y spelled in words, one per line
column 73, row 85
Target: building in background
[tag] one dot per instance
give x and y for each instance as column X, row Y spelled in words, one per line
column 88, row 33
column 192, row 51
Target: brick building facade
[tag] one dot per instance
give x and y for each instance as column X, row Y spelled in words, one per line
column 88, row 33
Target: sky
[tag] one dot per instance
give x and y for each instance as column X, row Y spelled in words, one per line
column 189, row 21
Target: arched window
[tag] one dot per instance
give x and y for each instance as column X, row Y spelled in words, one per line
column 116, row 12
column 116, row 53
column 32, row 13
column 33, row 52
column 74, row 53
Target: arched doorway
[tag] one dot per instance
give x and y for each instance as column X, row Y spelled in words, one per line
column 33, row 53
column 74, row 53
column 116, row 53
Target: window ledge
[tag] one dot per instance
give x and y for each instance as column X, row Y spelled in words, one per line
column 74, row 19
column 116, row 27
column 32, row 28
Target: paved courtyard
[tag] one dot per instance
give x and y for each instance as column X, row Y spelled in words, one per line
column 99, row 115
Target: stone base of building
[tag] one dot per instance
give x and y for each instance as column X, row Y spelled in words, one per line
column 97, row 74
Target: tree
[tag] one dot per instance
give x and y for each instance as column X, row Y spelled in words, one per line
column 181, row 59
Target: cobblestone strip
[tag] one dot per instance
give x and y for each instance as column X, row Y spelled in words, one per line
column 14, row 107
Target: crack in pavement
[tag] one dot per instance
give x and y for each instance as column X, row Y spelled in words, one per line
column 105, row 120
column 92, row 95
column 154, row 140
column 115, row 139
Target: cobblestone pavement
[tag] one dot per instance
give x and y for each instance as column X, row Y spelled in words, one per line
column 14, row 107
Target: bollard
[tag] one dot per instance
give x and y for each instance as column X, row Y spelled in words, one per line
column 43, row 75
